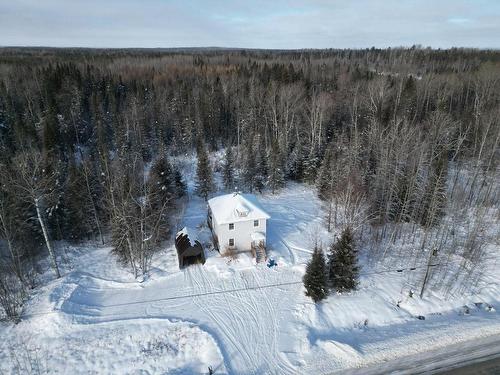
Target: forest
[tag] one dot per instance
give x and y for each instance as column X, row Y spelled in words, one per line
column 402, row 146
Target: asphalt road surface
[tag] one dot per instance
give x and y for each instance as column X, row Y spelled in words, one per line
column 491, row 366
column 476, row 357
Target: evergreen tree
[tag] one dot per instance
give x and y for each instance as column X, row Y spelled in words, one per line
column 343, row 271
column 180, row 185
column 249, row 168
column 163, row 184
column 403, row 204
column 276, row 178
column 325, row 179
column 311, row 167
column 228, row 169
column 315, row 278
column 204, row 178
column 295, row 163
column 260, row 176
column 434, row 199
column 51, row 135
column 77, row 207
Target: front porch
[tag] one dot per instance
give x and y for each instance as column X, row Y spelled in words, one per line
column 259, row 251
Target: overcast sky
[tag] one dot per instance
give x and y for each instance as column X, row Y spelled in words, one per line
column 252, row 24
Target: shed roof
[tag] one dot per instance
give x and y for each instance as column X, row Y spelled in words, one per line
column 186, row 231
column 235, row 207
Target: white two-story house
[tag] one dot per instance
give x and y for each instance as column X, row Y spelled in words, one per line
column 238, row 222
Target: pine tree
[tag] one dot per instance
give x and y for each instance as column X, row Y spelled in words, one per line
column 326, row 183
column 295, row 163
column 325, row 178
column 204, row 178
column 260, row 176
column 434, row 199
column 76, row 205
column 403, row 205
column 228, row 169
column 162, row 180
column 180, row 185
column 249, row 168
column 276, row 178
column 51, row 135
column 343, row 271
column 315, row 278
column 311, row 167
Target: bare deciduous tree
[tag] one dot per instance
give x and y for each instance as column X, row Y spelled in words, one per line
column 36, row 184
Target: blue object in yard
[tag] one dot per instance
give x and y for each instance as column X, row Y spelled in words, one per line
column 272, row 263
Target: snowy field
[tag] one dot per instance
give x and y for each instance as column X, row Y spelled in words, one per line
column 233, row 315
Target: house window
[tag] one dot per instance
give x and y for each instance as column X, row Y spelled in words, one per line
column 231, row 226
column 256, row 223
column 231, row 242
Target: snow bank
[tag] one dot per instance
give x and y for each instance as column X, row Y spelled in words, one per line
column 124, row 347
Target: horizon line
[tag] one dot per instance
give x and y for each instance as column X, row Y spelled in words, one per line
column 401, row 47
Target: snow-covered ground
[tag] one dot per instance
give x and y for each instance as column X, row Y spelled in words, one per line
column 233, row 315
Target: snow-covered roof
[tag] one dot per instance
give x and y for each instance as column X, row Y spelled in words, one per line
column 258, row 236
column 231, row 208
column 187, row 232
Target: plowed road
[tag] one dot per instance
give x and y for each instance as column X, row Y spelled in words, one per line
column 470, row 358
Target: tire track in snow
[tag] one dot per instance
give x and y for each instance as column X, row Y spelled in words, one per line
column 236, row 319
column 275, row 234
column 244, row 322
column 273, row 355
column 200, row 282
column 254, row 328
column 247, row 320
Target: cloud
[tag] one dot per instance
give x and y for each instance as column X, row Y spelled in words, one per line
column 255, row 24
column 459, row 20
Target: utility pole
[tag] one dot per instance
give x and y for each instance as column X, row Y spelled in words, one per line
column 427, row 271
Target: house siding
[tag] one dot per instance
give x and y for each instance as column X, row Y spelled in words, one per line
column 241, row 233
column 214, row 228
